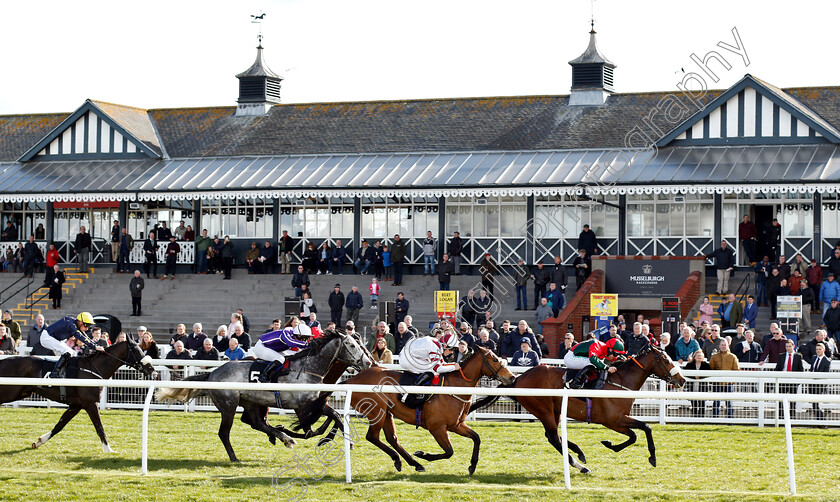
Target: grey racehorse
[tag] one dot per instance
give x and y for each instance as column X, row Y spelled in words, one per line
column 334, row 351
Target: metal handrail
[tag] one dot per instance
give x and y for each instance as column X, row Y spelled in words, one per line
column 748, row 279
column 25, row 286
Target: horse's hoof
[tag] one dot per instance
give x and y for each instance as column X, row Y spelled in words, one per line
column 472, row 470
column 419, row 468
column 608, row 444
column 585, row 470
column 420, row 454
column 34, row 446
column 398, row 466
column 582, row 458
column 289, row 442
column 309, row 434
column 652, row 461
column 272, row 439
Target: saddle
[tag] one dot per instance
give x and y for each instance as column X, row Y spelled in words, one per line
column 428, row 379
column 594, row 383
column 259, row 365
column 70, row 370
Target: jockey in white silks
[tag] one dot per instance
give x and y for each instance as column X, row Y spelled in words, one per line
column 424, row 355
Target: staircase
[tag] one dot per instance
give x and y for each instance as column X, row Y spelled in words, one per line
column 38, row 303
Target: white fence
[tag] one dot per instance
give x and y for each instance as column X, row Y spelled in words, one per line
column 347, row 390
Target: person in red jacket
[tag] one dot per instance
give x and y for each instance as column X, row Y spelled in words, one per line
column 51, row 261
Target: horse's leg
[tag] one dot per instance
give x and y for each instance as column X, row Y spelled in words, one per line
column 441, row 435
column 65, row 418
column 224, row 432
column 638, row 424
column 572, row 446
column 373, row 437
column 463, row 429
column 93, row 412
column 391, row 437
column 621, row 429
column 553, row 437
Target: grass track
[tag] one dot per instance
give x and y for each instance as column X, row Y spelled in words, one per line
column 187, row 462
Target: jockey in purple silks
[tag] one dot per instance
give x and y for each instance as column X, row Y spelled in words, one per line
column 276, row 345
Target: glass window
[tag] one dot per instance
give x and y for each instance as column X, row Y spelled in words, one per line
column 640, row 220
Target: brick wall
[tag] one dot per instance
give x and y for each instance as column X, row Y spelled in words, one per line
column 689, row 293
column 555, row 328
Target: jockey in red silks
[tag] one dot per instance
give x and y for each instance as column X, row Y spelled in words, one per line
column 591, row 356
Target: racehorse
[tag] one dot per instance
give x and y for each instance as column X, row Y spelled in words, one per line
column 612, row 413
column 99, row 365
column 440, row 415
column 310, row 365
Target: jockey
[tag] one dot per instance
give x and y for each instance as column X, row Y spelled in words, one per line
column 426, row 356
column 276, row 345
column 590, row 356
column 56, row 334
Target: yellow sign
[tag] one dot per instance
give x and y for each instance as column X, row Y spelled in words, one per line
column 446, row 301
column 603, row 305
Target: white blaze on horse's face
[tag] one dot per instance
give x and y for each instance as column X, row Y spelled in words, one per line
column 358, row 357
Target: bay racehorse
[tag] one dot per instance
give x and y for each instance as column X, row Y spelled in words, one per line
column 612, row 413
column 99, row 365
column 440, row 415
column 310, row 365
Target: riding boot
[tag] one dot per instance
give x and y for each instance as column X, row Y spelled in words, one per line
column 268, row 373
column 60, row 364
column 581, row 378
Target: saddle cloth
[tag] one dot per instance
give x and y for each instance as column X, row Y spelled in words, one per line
column 417, row 401
column 259, row 365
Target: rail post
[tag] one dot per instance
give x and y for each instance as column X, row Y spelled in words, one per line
column 663, row 386
column 348, row 474
column 144, row 462
column 564, row 442
column 789, row 444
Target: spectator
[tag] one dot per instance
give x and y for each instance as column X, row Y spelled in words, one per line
column 313, row 321
column 307, row 305
column 809, row 349
column 242, row 337
column 637, row 341
column 195, row 340
column 378, row 266
column 387, row 264
column 747, row 233
column 762, row 272
column 181, row 231
column 401, row 306
column 809, row 304
column 543, row 312
column 56, row 290
column 382, row 332
column 489, row 325
column 481, row 306
column 831, row 319
column 488, row 269
column 336, row 303
column 148, row 346
column 706, row 311
column 164, row 233
column 203, row 244
column 178, row 352
column 410, row 326
column 466, row 307
column 685, row 346
column 310, row 259
column 140, row 331
column 30, row 256
column 428, row 254
column 135, row 287
column 380, row 352
column 180, row 335
column 397, row 258
column 523, row 331
column 784, row 268
column 189, row 234
column 774, row 282
column 234, row 352
column 463, row 353
column 555, row 298
column 244, row 320
column 541, row 278
column 220, row 341
column 51, row 261
column 121, row 337
column 81, row 248
column 299, row 279
column 12, row 327
column 820, row 364
column 711, row 344
column 750, row 312
column 521, row 275
column 338, row 255
column 172, row 250
column 588, row 241
column 266, row 258
column 365, row 258
column 354, row 304
column 456, row 247
column 125, row 245
column 485, row 341
column 749, row 350
column 9, row 233
column 724, row 262
column 324, row 258
column 525, row 356
column 829, row 290
column 665, row 345
column 773, row 346
column 33, row 339
column 788, row 361
column 235, row 318
column 543, row 345
column 697, row 361
column 150, row 247
column 568, row 343
column 252, row 259
column 814, row 276
column 350, row 328
column 285, row 246
column 583, row 267
column 228, row 252
column 726, row 361
column 732, row 312
column 444, row 271
column 7, row 343
column 40, row 232
column 466, row 334
column 558, row 275
column 403, row 336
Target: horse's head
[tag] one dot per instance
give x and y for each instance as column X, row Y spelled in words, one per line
column 494, row 367
column 134, row 357
column 351, row 352
column 665, row 368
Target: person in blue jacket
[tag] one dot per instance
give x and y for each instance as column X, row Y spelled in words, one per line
column 55, row 336
column 750, row 312
column 525, row 356
column 830, row 290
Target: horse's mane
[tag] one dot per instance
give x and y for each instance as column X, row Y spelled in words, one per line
column 314, row 346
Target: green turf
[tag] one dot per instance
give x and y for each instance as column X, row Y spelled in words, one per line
column 187, row 462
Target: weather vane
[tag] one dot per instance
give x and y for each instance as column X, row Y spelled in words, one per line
column 592, row 17
column 258, row 20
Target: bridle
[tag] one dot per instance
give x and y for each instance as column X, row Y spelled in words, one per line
column 133, row 363
column 483, row 363
column 661, row 365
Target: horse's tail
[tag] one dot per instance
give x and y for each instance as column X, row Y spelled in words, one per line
column 184, row 395
column 488, row 400
column 311, row 412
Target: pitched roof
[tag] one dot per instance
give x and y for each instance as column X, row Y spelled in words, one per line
column 132, row 119
column 19, row 132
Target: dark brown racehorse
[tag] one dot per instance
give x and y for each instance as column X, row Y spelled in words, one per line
column 611, row 413
column 100, row 365
column 441, row 414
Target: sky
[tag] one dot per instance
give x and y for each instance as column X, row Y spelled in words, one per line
column 173, row 54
